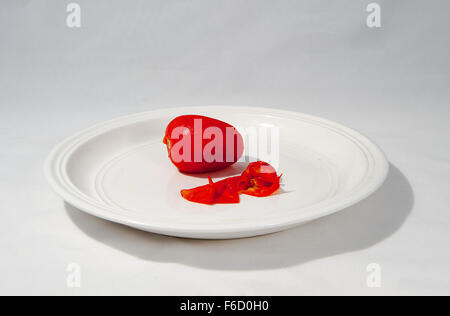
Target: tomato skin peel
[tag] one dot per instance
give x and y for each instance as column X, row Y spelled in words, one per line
column 259, row 179
column 196, row 127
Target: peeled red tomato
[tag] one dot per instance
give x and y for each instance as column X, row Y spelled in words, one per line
column 197, row 143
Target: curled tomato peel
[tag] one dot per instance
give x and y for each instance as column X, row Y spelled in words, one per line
column 259, row 179
column 222, row 192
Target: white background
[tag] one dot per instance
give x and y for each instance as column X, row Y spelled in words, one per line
column 317, row 57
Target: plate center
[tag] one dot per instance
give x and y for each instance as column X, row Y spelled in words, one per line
column 144, row 181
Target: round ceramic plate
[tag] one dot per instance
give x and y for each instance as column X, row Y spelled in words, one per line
column 119, row 171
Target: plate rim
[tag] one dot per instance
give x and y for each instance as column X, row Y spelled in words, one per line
column 221, row 231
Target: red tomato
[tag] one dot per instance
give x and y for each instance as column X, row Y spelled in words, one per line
column 198, row 143
column 259, row 179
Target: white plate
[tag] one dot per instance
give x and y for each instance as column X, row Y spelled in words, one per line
column 119, row 171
